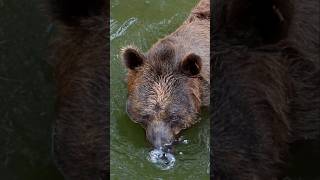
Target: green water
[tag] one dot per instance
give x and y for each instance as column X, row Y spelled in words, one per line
column 142, row 23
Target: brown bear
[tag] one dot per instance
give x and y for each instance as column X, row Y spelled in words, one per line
column 80, row 60
column 265, row 87
column 168, row 84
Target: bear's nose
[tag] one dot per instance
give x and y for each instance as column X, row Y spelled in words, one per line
column 160, row 135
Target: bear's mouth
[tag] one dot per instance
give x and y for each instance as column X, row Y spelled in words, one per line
column 167, row 148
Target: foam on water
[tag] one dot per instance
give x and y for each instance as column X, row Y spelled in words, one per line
column 162, row 159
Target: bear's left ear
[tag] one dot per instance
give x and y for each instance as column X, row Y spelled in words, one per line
column 132, row 58
column 191, row 65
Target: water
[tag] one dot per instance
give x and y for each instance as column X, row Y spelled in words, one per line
column 142, row 23
column 163, row 160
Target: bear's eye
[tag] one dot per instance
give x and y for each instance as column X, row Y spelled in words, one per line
column 175, row 120
column 145, row 117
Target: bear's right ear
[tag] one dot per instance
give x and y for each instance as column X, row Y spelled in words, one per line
column 132, row 58
column 191, row 65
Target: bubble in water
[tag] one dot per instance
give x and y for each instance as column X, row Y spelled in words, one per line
column 182, row 140
column 185, row 141
column 161, row 159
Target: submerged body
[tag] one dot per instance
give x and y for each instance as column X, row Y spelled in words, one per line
column 168, row 84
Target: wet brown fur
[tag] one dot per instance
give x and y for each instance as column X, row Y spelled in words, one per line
column 153, row 86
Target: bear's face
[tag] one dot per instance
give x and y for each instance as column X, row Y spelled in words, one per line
column 162, row 96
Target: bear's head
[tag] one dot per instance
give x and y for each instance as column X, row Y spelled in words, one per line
column 163, row 91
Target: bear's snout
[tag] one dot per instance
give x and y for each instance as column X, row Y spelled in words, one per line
column 160, row 135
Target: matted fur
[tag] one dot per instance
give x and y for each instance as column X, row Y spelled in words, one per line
column 159, row 89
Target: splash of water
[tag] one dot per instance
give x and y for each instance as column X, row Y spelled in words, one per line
column 122, row 29
column 163, row 160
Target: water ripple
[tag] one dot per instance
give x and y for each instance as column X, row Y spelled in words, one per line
column 161, row 159
column 122, row 29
